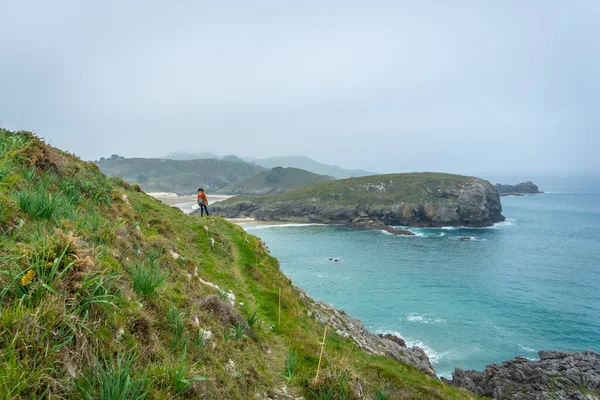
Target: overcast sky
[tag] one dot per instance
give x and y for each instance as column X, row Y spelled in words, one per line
column 389, row 86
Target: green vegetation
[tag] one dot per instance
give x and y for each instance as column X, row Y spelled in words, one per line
column 276, row 180
column 147, row 278
column 73, row 325
column 177, row 176
column 376, row 190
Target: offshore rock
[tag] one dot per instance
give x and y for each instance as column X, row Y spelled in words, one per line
column 556, row 375
column 517, row 190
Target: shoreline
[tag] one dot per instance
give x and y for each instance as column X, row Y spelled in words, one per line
column 186, row 203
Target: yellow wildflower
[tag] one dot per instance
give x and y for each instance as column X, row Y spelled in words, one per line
column 49, row 264
column 28, row 277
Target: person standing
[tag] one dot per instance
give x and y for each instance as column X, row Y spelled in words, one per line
column 202, row 202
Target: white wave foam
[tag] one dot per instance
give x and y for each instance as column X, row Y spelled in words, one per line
column 449, row 228
column 385, row 232
column 525, row 348
column 269, row 226
column 499, row 225
column 424, row 319
column 433, row 355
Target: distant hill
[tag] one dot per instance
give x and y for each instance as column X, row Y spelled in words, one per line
column 177, row 176
column 276, row 180
column 309, row 164
column 300, row 162
column 185, row 155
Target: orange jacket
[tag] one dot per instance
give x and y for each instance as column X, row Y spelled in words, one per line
column 202, row 199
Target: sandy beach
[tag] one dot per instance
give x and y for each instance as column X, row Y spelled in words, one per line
column 189, row 203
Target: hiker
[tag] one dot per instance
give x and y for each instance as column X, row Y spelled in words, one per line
column 202, row 202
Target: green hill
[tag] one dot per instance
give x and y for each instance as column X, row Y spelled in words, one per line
column 416, row 199
column 276, row 180
column 178, row 176
column 106, row 293
column 308, row 164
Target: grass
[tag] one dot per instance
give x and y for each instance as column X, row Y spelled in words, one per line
column 112, row 380
column 176, row 324
column 375, row 190
column 180, row 376
column 146, row 279
column 291, row 362
column 92, row 322
column 40, row 205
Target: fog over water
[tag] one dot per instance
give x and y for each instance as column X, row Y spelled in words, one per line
column 388, row 86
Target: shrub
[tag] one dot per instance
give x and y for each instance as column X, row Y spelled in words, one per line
column 147, row 279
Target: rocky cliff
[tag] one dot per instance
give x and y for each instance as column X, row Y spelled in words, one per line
column 383, row 345
column 517, row 190
column 418, row 199
column 556, row 375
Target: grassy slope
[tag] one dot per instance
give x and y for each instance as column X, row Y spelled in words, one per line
column 281, row 179
column 157, row 175
column 82, row 326
column 409, row 188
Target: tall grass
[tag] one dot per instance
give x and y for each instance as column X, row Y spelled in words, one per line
column 252, row 317
column 39, row 205
column 291, row 362
column 147, row 278
column 180, row 378
column 178, row 327
column 94, row 291
column 111, row 380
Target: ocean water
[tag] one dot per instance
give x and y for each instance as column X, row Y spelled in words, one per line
column 529, row 283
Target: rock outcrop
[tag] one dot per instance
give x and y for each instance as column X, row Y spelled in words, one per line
column 384, row 345
column 518, row 189
column 466, row 202
column 556, row 375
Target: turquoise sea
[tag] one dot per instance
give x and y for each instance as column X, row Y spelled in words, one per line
column 529, row 283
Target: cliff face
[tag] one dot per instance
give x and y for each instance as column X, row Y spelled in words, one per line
column 461, row 202
column 556, row 375
column 518, row 189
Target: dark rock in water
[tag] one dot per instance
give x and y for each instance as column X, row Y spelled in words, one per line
column 517, row 190
column 465, row 239
column 557, row 375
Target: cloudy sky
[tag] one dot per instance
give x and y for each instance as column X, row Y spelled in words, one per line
column 390, row 86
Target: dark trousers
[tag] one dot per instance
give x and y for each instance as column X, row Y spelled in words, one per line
column 202, row 209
